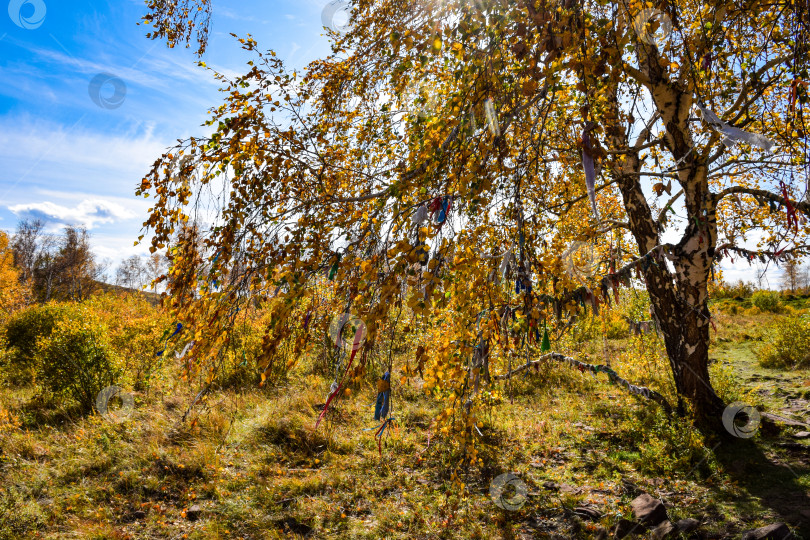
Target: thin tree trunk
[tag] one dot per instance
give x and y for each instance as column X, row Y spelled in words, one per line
column 49, row 285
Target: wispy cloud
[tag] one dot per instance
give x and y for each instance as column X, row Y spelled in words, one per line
column 54, row 156
column 88, row 213
column 241, row 15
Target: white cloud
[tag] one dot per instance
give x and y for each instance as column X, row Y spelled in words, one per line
column 117, row 248
column 40, row 154
column 88, row 213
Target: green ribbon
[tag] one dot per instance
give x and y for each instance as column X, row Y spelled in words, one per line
column 545, row 346
column 334, row 269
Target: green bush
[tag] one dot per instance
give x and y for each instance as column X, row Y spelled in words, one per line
column 788, row 344
column 722, row 289
column 77, row 360
column 137, row 331
column 21, row 334
column 766, row 300
column 585, row 329
column 635, row 304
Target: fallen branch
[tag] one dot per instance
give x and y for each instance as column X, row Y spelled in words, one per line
column 787, row 421
column 521, row 367
column 595, row 368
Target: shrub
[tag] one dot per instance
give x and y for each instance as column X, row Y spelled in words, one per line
column 617, row 328
column 77, row 359
column 235, row 365
column 137, row 332
column 8, row 420
column 766, row 300
column 741, row 289
column 585, row 329
column 588, row 328
column 636, row 305
column 788, row 344
column 21, row 334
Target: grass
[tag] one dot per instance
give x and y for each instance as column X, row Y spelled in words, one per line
column 256, row 467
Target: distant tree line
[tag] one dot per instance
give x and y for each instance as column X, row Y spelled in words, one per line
column 56, row 266
column 63, row 267
column 137, row 272
column 794, row 278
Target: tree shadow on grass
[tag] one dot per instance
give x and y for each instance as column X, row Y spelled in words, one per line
column 772, row 476
column 41, row 412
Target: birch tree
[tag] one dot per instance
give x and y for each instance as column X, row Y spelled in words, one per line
column 525, row 129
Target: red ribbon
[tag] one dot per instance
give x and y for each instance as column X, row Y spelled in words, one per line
column 435, row 205
column 358, row 337
column 614, row 284
column 791, row 212
column 379, row 433
column 794, row 92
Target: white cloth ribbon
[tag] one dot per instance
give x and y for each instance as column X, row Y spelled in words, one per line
column 508, row 258
column 733, row 135
column 590, row 172
column 419, row 216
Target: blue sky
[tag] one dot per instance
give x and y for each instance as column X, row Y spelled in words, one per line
column 66, row 158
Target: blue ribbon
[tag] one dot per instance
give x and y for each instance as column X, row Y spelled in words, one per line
column 443, row 211
column 381, row 408
column 176, row 331
column 519, row 286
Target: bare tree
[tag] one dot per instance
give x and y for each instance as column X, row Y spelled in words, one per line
column 47, row 267
column 25, row 246
column 131, row 273
column 156, row 266
column 58, row 267
column 79, row 271
column 104, row 267
column 790, row 275
column 804, row 279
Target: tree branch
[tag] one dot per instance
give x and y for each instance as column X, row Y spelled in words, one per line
column 803, row 206
column 669, row 203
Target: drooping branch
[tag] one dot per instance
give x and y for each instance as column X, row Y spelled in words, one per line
column 178, row 20
column 751, row 255
column 761, row 193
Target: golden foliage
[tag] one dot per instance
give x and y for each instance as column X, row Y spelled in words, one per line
column 13, row 294
column 474, row 113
